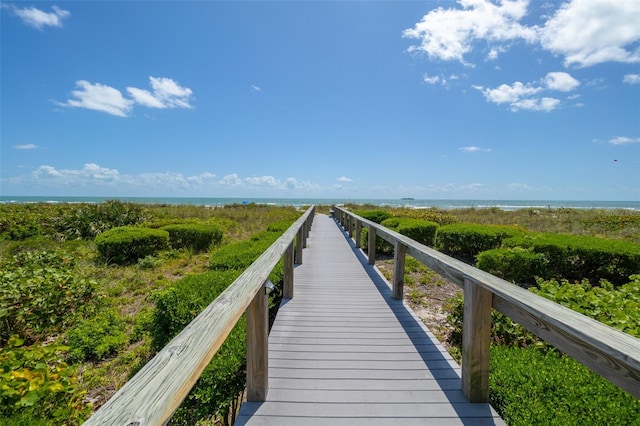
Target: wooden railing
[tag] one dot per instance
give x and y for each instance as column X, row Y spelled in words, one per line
column 609, row 352
column 156, row 391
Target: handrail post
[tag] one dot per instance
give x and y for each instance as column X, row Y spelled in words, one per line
column 350, row 226
column 299, row 246
column 371, row 247
column 399, row 255
column 287, row 279
column 258, row 347
column 358, row 233
column 476, row 335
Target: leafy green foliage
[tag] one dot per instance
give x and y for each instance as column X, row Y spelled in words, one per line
column 243, row 253
column 224, row 378
column 617, row 307
column 196, row 236
column 466, row 240
column 86, row 221
column 419, row 230
column 575, row 257
column 98, row 337
column 530, row 387
column 38, row 384
column 518, row 265
column 39, row 291
column 127, row 244
column 377, row 216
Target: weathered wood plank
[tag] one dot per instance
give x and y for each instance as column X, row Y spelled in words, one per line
column 258, row 347
column 476, row 335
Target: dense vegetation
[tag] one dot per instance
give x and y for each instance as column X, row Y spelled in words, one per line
column 586, row 260
column 79, row 317
column 89, row 292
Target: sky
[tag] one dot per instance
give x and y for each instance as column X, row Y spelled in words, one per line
column 468, row 99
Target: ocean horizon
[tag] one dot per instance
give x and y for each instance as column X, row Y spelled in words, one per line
column 399, row 202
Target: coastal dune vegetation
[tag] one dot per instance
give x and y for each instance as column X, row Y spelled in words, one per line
column 90, row 292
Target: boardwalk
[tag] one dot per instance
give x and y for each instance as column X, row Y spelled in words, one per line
column 342, row 352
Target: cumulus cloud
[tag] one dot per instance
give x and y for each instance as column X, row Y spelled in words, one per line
column 39, row 19
column 561, row 81
column 520, row 96
column 26, row 146
column 431, row 79
column 623, row 140
column 589, row 32
column 631, row 79
column 99, row 97
column 166, row 93
column 584, row 32
column 472, row 149
column 345, row 179
column 256, row 88
column 449, row 34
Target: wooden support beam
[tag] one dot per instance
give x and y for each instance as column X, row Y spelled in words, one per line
column 476, row 334
column 258, row 347
column 371, row 247
column 358, row 233
column 299, row 246
column 287, row 280
column 399, row 255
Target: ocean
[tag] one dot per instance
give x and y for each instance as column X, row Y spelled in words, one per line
column 404, row 202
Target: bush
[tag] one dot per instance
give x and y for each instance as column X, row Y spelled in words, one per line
column 518, row 265
column 86, row 221
column 223, row 380
column 466, row 240
column 39, row 292
column 377, row 216
column 96, row 338
column 575, row 257
column 38, row 385
column 531, row 387
column 125, row 245
column 418, row 230
column 196, row 236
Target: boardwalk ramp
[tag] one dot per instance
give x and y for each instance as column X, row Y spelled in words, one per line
column 343, row 352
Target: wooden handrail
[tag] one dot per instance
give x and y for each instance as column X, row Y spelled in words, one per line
column 610, row 353
column 157, row 390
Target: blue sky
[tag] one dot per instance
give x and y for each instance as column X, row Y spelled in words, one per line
column 475, row 99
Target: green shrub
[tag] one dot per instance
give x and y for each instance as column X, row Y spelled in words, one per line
column 38, row 385
column 617, row 307
column 529, row 387
column 575, row 257
column 125, row 245
column 196, row 236
column 39, row 292
column 518, row 265
column 377, row 216
column 99, row 337
column 419, row 230
column 223, row 380
column 86, row 221
column 382, row 246
column 466, row 240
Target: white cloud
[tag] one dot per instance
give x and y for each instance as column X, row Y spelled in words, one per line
column 623, row 140
column 26, row 146
column 472, row 149
column 39, row 19
column 431, row 79
column 561, row 81
column 535, row 104
column 345, row 179
column 589, row 32
column 584, row 32
column 508, row 94
column 631, row 79
column 166, row 94
column 449, row 34
column 99, row 97
column 256, row 88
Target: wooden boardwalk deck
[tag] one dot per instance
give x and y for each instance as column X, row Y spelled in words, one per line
column 342, row 352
